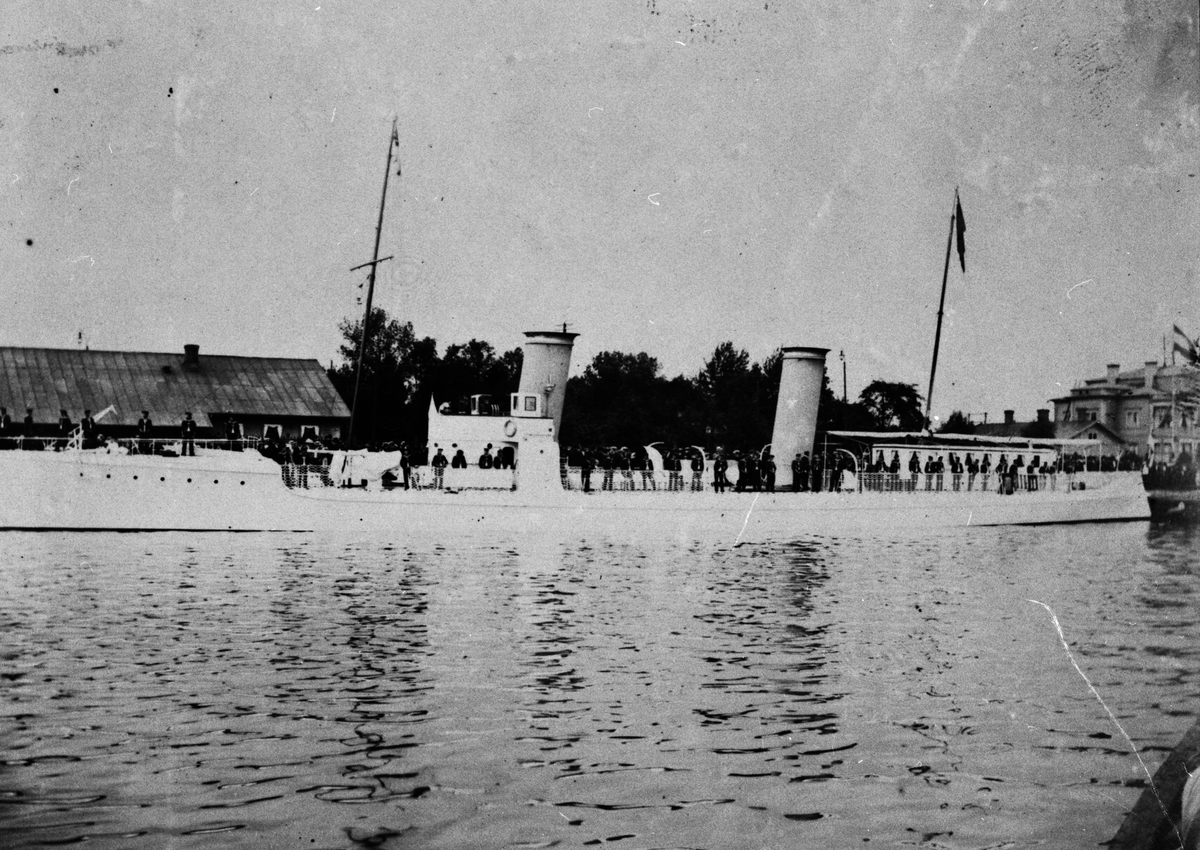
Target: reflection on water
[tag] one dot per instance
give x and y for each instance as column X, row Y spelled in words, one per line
column 263, row 691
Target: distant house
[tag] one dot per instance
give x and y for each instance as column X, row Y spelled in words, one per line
column 263, row 394
column 1043, row 426
column 1154, row 405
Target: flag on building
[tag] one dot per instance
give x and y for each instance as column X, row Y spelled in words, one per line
column 1187, row 347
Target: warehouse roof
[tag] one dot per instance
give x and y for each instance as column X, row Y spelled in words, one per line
column 49, row 379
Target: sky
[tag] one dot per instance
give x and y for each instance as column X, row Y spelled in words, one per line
column 661, row 175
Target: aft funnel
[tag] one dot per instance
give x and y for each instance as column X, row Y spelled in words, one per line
column 544, row 367
column 796, row 411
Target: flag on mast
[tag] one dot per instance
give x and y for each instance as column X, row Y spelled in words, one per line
column 960, row 228
column 1188, row 348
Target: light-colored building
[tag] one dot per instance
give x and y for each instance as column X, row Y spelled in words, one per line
column 1154, row 405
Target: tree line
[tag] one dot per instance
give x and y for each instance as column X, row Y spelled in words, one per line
column 621, row 399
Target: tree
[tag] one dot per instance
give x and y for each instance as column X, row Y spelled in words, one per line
column 739, row 397
column 834, row 414
column 395, row 368
column 617, row 401
column 957, row 423
column 893, row 406
column 473, row 368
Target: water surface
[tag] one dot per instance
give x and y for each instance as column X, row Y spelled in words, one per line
column 166, row 690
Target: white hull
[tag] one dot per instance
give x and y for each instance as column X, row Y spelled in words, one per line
column 224, row 491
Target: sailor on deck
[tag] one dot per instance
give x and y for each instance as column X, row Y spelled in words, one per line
column 187, row 433
column 143, row 431
column 87, row 428
column 438, row 463
column 65, row 426
column 6, row 429
column 27, row 441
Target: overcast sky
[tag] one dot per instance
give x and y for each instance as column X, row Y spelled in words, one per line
column 662, row 175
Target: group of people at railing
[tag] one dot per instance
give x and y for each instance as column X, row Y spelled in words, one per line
column 86, row 434
column 1179, row 474
column 952, row 472
column 687, row 469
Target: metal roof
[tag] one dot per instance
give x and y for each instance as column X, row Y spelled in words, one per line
column 49, row 379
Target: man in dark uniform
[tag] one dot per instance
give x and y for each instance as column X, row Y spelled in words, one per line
column 801, row 472
column 697, row 472
column 405, row 464
column 187, row 433
column 6, row 429
column 768, row 472
column 65, row 427
column 143, row 431
column 87, row 428
column 720, row 467
column 586, row 465
column 748, row 480
column 439, row 468
column 27, row 441
column 485, row 459
column 233, row 433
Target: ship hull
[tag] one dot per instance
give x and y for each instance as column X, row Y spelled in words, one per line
column 225, row 491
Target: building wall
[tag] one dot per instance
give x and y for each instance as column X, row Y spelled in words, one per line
column 1137, row 406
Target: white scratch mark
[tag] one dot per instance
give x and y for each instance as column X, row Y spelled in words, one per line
column 335, row 108
column 1063, row 640
column 651, row 198
column 969, row 515
column 73, row 179
column 593, row 109
column 83, row 257
column 680, row 43
column 16, row 178
column 255, row 190
column 746, row 521
column 1076, row 286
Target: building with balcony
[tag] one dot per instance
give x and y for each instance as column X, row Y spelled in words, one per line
column 1154, row 405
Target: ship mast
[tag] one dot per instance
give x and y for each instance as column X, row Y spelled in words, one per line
column 393, row 141
column 956, row 226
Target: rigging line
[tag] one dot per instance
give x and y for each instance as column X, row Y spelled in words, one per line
column 1062, row 639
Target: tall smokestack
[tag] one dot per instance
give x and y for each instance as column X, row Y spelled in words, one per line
column 544, row 366
column 796, row 411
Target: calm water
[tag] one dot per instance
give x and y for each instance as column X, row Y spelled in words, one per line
column 296, row 691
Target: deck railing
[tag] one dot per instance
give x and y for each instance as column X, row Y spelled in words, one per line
column 620, row 480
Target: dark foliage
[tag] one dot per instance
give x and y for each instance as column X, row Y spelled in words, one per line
column 400, row 372
column 957, row 423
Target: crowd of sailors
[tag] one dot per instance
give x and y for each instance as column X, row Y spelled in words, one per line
column 688, row 469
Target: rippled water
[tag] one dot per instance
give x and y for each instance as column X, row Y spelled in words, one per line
column 257, row 691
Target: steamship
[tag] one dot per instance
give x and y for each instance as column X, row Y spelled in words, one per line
column 93, row 489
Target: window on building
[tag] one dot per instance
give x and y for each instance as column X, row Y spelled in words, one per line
column 531, row 403
column 272, row 432
column 1131, row 417
column 309, row 432
column 1092, row 435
